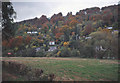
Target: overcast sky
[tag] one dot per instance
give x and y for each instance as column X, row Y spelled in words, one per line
column 35, row 8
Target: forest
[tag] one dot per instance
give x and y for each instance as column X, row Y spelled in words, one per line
column 91, row 33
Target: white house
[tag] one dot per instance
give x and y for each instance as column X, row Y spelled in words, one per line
column 37, row 49
column 29, row 32
column 109, row 27
column 51, row 43
column 114, row 31
column 52, row 48
column 33, row 32
column 87, row 37
column 100, row 48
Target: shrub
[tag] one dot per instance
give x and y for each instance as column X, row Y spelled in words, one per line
column 65, row 52
column 49, row 54
column 30, row 52
column 5, row 53
column 41, row 53
column 30, row 74
column 75, row 53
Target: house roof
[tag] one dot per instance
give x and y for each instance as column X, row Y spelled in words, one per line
column 109, row 27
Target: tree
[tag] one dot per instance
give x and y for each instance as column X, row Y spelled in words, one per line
column 105, row 43
column 88, row 29
column 8, row 14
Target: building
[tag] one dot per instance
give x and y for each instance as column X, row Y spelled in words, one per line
column 87, row 37
column 32, row 32
column 51, row 43
column 109, row 27
column 52, row 46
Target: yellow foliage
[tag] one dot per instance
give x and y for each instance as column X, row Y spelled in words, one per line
column 94, row 23
column 58, row 53
column 99, row 29
column 69, row 49
column 44, row 45
column 66, row 43
column 33, row 46
column 16, row 48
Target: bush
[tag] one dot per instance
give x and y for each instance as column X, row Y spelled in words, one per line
column 5, row 53
column 75, row 53
column 65, row 52
column 49, row 54
column 41, row 53
column 87, row 51
column 30, row 52
column 27, row 72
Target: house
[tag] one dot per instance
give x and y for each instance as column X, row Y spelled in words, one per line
column 52, row 48
column 37, row 49
column 109, row 27
column 29, row 32
column 51, row 43
column 99, row 48
column 33, row 32
column 114, row 31
column 87, row 37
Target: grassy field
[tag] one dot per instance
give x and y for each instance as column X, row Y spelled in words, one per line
column 77, row 69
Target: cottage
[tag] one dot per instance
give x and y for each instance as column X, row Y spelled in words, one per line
column 115, row 31
column 109, row 27
column 29, row 32
column 33, row 32
column 51, row 43
column 98, row 48
column 37, row 49
column 87, row 37
column 52, row 48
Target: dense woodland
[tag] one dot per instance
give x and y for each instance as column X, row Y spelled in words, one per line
column 91, row 33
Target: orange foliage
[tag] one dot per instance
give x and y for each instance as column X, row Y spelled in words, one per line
column 73, row 33
column 28, row 39
column 88, row 29
column 65, row 27
column 73, row 22
column 66, row 43
column 19, row 40
column 58, row 35
column 5, row 43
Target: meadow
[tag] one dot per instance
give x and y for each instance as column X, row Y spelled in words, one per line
column 69, row 69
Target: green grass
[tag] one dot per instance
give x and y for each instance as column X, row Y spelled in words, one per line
column 73, row 68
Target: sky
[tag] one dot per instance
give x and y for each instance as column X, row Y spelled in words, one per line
column 29, row 9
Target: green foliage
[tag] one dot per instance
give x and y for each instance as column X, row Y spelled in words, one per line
column 41, row 53
column 75, row 53
column 8, row 14
column 29, row 52
column 5, row 53
column 65, row 52
column 104, row 39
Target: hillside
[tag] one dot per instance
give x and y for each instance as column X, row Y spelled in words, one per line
column 84, row 34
